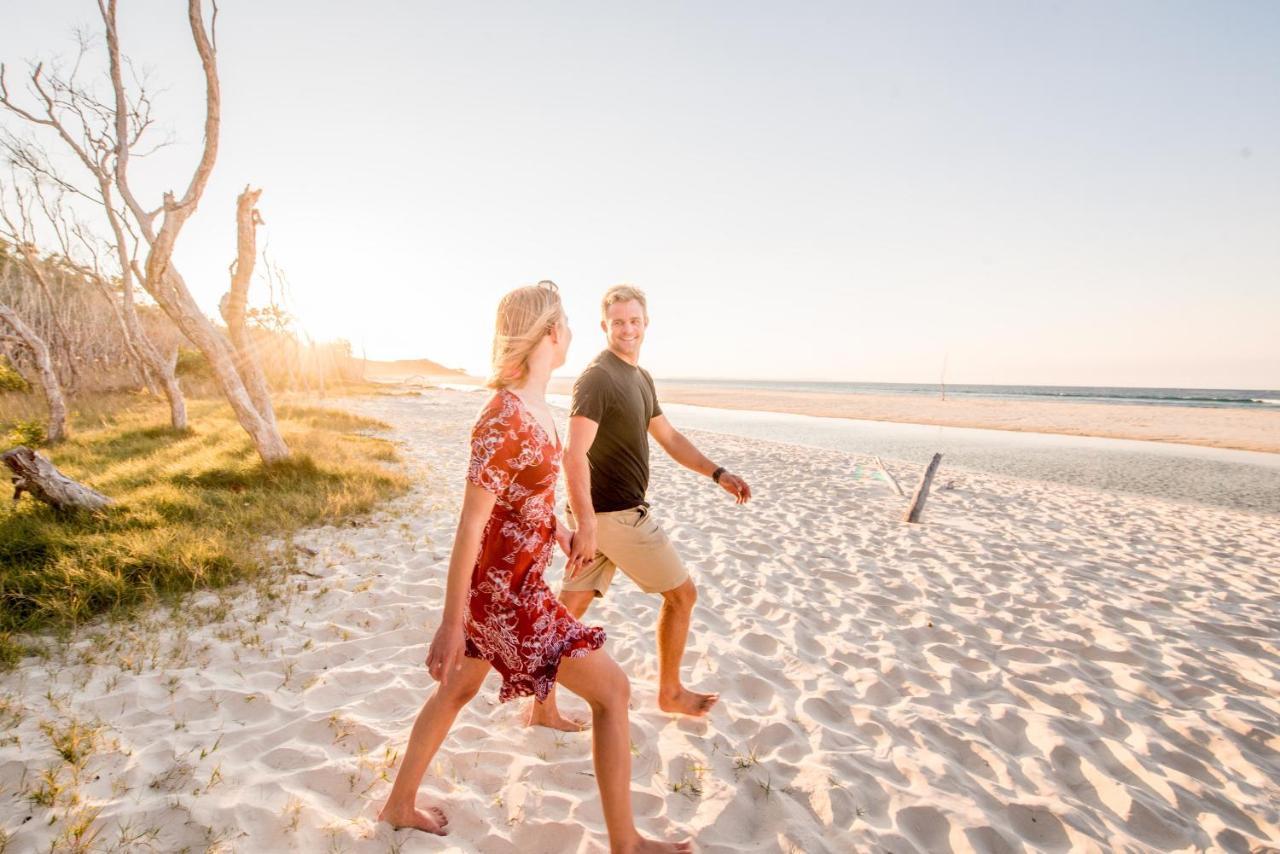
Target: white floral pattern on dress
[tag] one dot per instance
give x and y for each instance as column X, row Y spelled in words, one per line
column 514, row 620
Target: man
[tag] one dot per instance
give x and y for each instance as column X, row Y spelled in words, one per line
column 606, row 463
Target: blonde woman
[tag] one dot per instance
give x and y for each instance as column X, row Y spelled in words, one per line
column 498, row 610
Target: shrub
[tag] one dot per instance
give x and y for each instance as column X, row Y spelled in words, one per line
column 29, row 433
column 10, row 379
column 192, row 363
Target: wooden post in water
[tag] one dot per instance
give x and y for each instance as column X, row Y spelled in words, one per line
column 922, row 491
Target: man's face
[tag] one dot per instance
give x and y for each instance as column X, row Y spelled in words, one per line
column 624, row 324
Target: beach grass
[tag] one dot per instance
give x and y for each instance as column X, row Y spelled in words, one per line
column 194, row 509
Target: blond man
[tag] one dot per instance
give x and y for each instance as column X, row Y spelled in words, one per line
column 606, row 463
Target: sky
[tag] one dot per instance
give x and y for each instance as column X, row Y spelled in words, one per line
column 1079, row 193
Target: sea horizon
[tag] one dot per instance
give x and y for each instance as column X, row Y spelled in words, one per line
column 1132, row 395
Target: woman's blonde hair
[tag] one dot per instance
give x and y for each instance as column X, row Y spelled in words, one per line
column 525, row 316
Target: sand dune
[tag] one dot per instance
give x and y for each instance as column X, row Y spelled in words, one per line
column 1036, row 668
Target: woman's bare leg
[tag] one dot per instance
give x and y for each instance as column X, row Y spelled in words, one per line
column 429, row 730
column 597, row 679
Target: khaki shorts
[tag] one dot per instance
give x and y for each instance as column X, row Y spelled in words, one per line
column 630, row 540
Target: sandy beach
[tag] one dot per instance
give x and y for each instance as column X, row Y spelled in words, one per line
column 1036, row 667
column 1248, row 430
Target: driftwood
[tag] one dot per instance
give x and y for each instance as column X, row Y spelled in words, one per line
column 922, row 491
column 35, row 474
column 892, row 479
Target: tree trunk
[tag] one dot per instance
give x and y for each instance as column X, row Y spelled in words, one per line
column 233, row 305
column 135, row 358
column 163, row 369
column 48, row 376
column 178, row 303
column 33, row 473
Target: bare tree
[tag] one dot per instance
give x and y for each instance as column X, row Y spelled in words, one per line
column 94, row 273
column 161, row 278
column 21, row 233
column 87, row 128
column 57, row 430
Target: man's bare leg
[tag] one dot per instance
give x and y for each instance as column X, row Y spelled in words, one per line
column 547, row 713
column 673, row 634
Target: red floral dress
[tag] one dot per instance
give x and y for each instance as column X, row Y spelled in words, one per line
column 514, row 621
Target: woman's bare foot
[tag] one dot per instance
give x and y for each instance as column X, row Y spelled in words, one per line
column 432, row 820
column 640, row 845
column 686, row 702
column 540, row 715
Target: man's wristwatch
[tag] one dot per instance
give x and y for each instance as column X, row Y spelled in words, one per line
column 715, row 475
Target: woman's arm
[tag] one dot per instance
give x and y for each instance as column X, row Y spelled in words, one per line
column 445, row 654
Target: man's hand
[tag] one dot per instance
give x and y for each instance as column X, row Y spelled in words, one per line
column 735, row 486
column 445, row 655
column 583, row 549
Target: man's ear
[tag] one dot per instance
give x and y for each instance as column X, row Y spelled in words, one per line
column 604, row 327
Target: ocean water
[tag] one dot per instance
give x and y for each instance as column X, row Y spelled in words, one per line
column 1204, row 397
column 1215, row 477
column 1218, row 477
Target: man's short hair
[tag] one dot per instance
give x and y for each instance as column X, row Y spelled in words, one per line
column 623, row 293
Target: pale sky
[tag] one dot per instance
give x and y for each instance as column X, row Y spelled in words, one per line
column 1057, row 193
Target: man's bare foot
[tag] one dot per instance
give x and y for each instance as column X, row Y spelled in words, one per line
column 640, row 845
column 686, row 702
column 432, row 820
column 539, row 715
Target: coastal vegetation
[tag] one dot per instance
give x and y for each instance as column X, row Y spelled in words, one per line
column 196, row 508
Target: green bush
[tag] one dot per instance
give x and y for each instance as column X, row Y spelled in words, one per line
column 11, row 380
column 192, row 363
column 29, row 433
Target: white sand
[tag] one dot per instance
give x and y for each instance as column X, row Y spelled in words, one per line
column 1036, row 667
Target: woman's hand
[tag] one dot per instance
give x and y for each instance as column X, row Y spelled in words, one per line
column 564, row 537
column 447, row 648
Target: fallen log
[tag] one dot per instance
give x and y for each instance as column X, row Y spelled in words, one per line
column 35, row 474
column 922, row 491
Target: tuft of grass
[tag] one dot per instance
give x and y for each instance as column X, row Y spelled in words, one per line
column 74, row 741
column 194, row 509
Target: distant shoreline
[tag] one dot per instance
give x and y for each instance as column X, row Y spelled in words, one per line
column 1238, row 428
column 1212, row 398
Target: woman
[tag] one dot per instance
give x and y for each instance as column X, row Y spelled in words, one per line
column 499, row 611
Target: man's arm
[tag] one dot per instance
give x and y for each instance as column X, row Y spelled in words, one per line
column 577, row 474
column 680, row 449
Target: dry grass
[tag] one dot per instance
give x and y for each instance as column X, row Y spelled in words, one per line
column 193, row 508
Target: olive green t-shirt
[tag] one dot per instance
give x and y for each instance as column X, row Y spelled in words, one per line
column 619, row 397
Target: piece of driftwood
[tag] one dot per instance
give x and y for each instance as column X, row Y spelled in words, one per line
column 922, row 491
column 35, row 474
column 892, row 479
